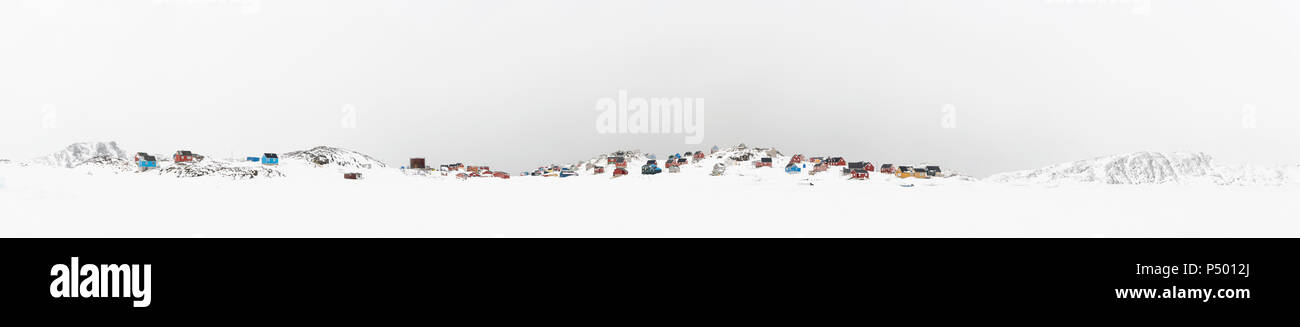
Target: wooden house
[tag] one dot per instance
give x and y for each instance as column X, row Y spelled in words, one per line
column 270, row 159
column 183, row 156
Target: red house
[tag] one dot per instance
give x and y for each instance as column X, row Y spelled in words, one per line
column 820, row 167
column 797, row 159
column 888, row 169
column 860, row 174
column 183, row 156
column 600, row 169
column 765, row 162
column 837, row 161
column 620, row 172
column 870, row 167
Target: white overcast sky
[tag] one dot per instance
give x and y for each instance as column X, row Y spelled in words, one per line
column 514, row 84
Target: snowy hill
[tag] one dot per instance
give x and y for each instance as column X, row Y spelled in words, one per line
column 737, row 155
column 632, row 157
column 79, row 152
column 1148, row 168
column 220, row 168
column 105, row 164
column 331, row 156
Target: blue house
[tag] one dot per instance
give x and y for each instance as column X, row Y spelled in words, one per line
column 145, row 161
column 270, row 159
column 792, row 168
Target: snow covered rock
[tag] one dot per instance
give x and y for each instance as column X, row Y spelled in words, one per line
column 1147, row 168
column 79, row 152
column 338, row 157
column 745, row 153
column 218, row 168
column 631, row 156
column 105, row 164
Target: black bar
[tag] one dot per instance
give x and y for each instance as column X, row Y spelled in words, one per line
column 226, row 279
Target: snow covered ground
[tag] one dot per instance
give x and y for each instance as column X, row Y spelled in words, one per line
column 314, row 201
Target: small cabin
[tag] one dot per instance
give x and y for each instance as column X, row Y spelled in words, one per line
column 934, row 171
column 681, row 162
column 764, row 162
column 793, row 168
column 416, row 163
column 920, row 172
column 854, row 165
column 600, row 169
column 183, row 156
column 820, row 167
column 620, row 172
column 352, row 176
column 837, row 161
column 651, row 169
column 146, row 161
column 860, row 174
column 887, row 169
column 904, row 170
column 270, row 159
column 797, row 159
